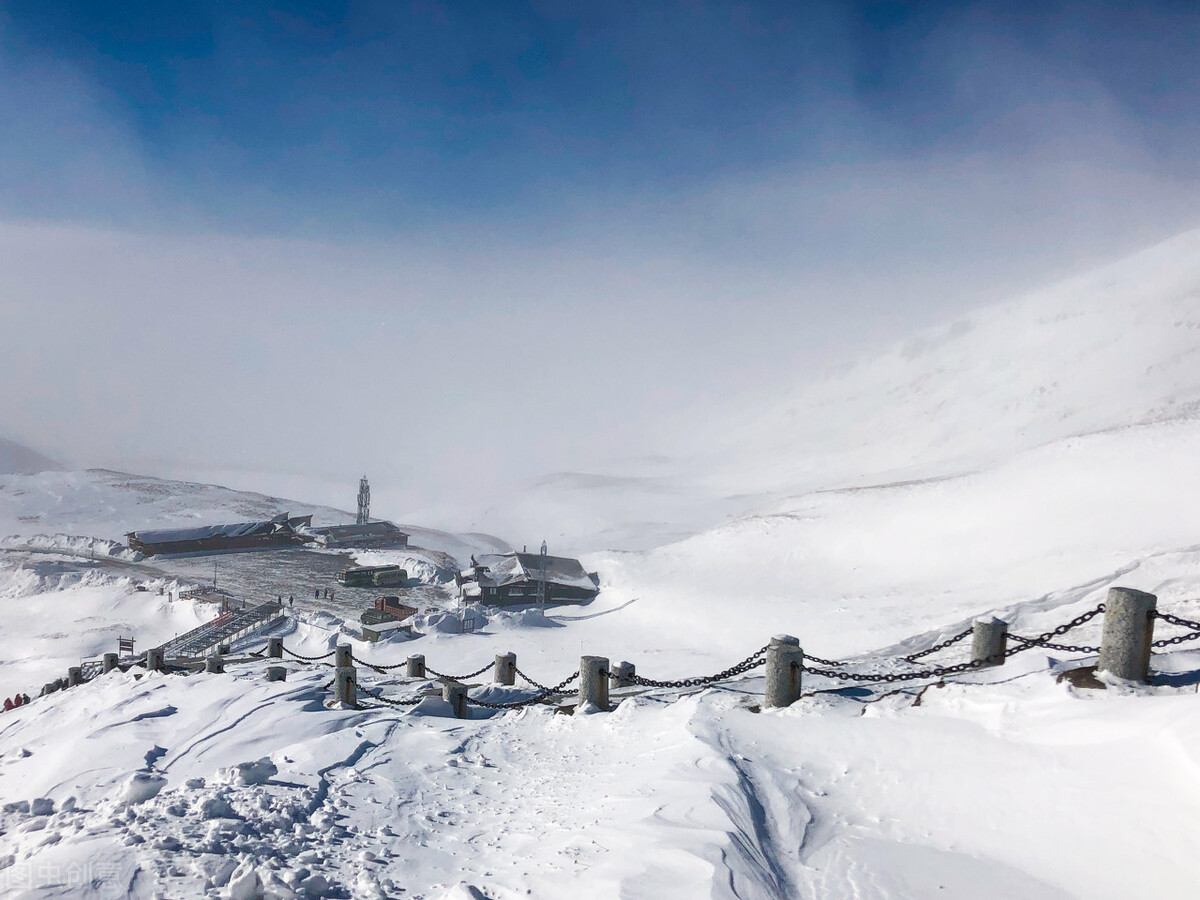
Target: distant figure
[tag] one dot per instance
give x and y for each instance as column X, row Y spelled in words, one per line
column 291, row 602
column 316, row 593
column 7, row 705
column 17, row 701
column 281, row 598
column 26, row 696
column 331, row 593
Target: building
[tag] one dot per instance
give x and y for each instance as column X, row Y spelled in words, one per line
column 515, row 578
column 372, row 576
column 366, row 534
column 281, row 531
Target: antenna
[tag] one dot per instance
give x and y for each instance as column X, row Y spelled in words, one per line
column 542, row 584
column 364, row 502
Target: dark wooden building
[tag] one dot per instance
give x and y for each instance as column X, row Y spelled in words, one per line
column 515, row 578
column 282, row 531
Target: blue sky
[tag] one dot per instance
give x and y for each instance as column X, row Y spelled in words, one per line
column 387, row 115
column 218, row 218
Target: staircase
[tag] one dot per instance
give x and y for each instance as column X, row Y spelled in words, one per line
column 225, row 629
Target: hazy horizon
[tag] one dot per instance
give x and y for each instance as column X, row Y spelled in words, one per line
column 457, row 250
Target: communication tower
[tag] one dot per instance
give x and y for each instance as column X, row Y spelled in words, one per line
column 542, row 583
column 364, row 502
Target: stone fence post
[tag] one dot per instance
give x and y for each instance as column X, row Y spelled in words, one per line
column 154, row 659
column 111, row 661
column 455, row 693
column 214, row 664
column 276, row 673
column 345, row 685
column 621, row 675
column 785, row 663
column 593, row 681
column 416, row 666
column 506, row 668
column 989, row 641
column 74, row 676
column 275, row 648
column 343, row 656
column 1128, row 632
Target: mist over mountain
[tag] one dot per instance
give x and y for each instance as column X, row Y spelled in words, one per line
column 17, row 459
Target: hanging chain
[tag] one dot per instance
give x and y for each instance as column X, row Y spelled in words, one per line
column 308, row 658
column 433, row 671
column 390, row 701
column 378, row 667
column 753, row 661
column 1176, row 620
column 1179, row 638
column 529, row 701
column 1043, row 639
column 913, row 657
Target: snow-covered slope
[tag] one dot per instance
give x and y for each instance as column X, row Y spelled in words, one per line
column 104, row 504
column 1112, row 349
column 17, row 459
column 1020, row 462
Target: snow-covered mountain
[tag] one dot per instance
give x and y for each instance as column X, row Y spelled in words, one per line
column 17, row 459
column 104, row 504
column 1019, row 461
column 1113, row 349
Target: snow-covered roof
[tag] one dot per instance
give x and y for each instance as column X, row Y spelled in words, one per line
column 511, row 567
column 281, row 523
column 349, row 532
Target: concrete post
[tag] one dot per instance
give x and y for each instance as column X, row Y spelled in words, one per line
column 506, row 668
column 276, row 673
column 622, row 675
column 455, row 693
column 74, row 676
column 154, row 659
column 275, row 648
column 343, row 656
column 785, row 662
column 111, row 661
column 49, row 688
column 593, row 681
column 223, row 649
column 1128, row 631
column 989, row 642
column 345, row 685
column 416, row 666
column 214, row 664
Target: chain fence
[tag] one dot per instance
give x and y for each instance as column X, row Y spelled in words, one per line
column 435, row 672
column 308, row 658
column 913, row 657
column 753, row 661
column 528, row 701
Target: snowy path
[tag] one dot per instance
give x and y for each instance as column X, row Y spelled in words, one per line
column 1019, row 787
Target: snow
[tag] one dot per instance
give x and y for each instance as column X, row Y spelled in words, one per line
column 1015, row 464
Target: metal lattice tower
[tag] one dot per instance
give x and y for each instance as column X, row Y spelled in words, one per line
column 542, row 584
column 364, row 502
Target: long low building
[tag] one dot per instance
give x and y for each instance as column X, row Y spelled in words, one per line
column 282, row 531
column 512, row 578
column 367, row 534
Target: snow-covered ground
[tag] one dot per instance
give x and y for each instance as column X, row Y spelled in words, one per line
column 1019, row 462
